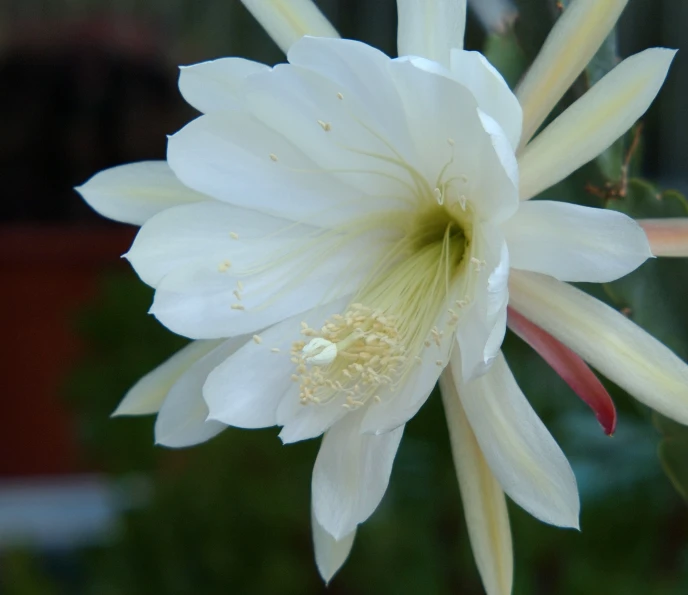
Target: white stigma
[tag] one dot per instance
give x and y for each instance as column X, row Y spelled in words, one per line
column 319, row 352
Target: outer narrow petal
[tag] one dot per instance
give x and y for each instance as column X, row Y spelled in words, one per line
column 351, row 475
column 521, row 452
column 572, row 369
column 330, row 554
column 430, row 28
column 287, row 21
column 216, row 85
column 667, row 237
column 575, row 243
column 183, row 417
column 135, row 192
column 148, row 394
column 490, row 90
column 594, row 122
column 609, row 341
column 484, row 503
column 573, row 41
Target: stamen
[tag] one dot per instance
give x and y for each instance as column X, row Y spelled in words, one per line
column 224, row 266
column 478, row 264
column 353, row 355
column 326, row 126
column 238, row 307
column 439, row 196
column 340, row 96
column 257, row 340
column 233, row 235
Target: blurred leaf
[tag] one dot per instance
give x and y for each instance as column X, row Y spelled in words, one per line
column 22, row 574
column 644, row 201
column 505, row 54
column 673, row 452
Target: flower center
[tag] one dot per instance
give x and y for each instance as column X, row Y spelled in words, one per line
column 367, row 352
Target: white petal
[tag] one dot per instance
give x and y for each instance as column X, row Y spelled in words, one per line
column 245, row 390
column 430, row 28
column 490, row 90
column 133, row 193
column 594, row 122
column 197, row 302
column 571, row 44
column 202, row 233
column 521, row 452
column 361, row 73
column 234, row 158
column 330, row 554
column 268, row 271
column 482, row 323
column 454, row 140
column 607, row 340
column 575, row 243
column 303, row 422
column 148, row 394
column 351, row 474
column 484, row 504
column 287, row 22
column 216, row 85
column 351, row 124
column 183, row 417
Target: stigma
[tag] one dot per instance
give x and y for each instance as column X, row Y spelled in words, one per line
column 352, row 358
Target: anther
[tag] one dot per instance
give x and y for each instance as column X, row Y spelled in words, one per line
column 224, row 266
column 257, row 340
column 233, row 235
column 275, row 350
column 479, row 264
column 439, row 197
column 237, row 295
column 238, row 307
column 340, row 96
column 326, row 126
column 273, row 157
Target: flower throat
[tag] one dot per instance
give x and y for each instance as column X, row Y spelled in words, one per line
column 368, row 351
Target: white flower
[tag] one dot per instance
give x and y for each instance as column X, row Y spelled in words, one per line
column 349, row 221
